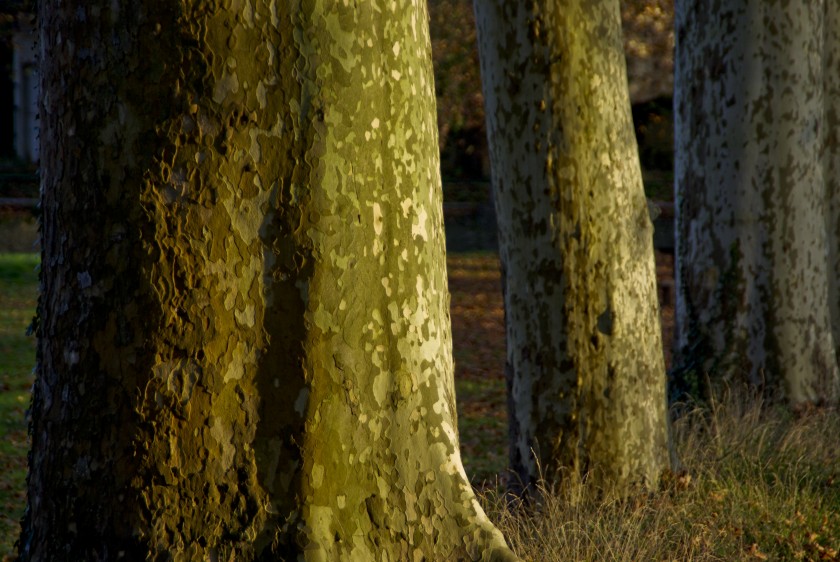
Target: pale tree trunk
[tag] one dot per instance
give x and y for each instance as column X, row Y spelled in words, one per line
column 244, row 348
column 752, row 274
column 586, row 377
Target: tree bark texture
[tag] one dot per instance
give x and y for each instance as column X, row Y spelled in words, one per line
column 586, row 376
column 244, row 341
column 752, row 275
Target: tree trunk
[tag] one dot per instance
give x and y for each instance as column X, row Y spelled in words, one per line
column 831, row 157
column 752, row 274
column 244, row 341
column 586, row 376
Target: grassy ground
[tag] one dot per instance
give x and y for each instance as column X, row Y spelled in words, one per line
column 479, row 349
column 756, row 483
column 18, row 295
column 18, row 231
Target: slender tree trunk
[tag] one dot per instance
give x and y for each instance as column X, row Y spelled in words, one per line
column 831, row 157
column 244, row 348
column 752, row 274
column 586, row 376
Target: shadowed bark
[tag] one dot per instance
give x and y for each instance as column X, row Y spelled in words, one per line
column 751, row 121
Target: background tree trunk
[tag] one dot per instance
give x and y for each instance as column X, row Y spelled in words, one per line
column 244, row 348
column 831, row 157
column 751, row 266
column 586, row 376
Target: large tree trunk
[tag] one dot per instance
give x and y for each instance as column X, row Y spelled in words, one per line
column 752, row 274
column 244, row 348
column 586, row 372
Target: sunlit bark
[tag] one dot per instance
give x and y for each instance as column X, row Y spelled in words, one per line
column 244, row 349
column 586, row 375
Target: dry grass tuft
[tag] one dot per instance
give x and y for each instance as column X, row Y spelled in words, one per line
column 756, row 484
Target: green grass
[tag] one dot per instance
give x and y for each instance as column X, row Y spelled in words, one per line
column 482, row 427
column 479, row 352
column 18, row 297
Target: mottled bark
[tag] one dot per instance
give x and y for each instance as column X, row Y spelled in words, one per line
column 752, row 274
column 586, row 373
column 244, row 349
